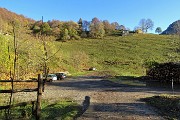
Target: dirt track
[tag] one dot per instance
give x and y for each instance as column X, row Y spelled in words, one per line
column 108, row 101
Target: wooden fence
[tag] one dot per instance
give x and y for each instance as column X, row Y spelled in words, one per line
column 39, row 96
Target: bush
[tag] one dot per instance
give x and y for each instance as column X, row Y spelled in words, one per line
column 165, row 72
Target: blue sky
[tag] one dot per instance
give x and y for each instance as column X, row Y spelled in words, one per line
column 125, row 12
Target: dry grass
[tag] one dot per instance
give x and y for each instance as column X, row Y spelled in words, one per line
column 18, row 85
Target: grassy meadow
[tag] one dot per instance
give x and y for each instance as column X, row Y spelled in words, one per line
column 120, row 55
column 123, row 55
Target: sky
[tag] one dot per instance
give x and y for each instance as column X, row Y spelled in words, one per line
column 125, row 12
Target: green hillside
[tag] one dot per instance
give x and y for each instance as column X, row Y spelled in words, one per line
column 122, row 55
column 125, row 55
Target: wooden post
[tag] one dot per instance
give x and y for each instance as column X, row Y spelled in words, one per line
column 39, row 97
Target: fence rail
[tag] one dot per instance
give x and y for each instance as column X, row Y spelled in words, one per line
column 19, row 80
column 16, row 105
column 39, row 95
column 15, row 91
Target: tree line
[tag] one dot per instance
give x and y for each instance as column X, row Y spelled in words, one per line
column 76, row 30
column 66, row 30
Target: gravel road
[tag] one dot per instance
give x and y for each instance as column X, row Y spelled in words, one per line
column 108, row 101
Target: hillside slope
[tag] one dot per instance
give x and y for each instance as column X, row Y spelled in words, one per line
column 123, row 55
column 118, row 55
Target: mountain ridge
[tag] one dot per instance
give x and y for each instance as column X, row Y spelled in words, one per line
column 173, row 29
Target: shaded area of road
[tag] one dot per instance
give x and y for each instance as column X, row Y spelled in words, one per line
column 103, row 85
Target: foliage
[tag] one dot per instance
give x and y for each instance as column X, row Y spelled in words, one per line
column 115, row 25
column 55, row 26
column 6, row 18
column 83, row 28
column 168, row 106
column 95, row 20
column 97, row 29
column 158, row 30
column 46, row 28
column 4, row 60
column 65, row 35
column 36, row 29
column 41, row 28
column 69, row 30
column 107, row 27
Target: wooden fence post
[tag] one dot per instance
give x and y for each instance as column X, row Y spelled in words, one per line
column 39, row 97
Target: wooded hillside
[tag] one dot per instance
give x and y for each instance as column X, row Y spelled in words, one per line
column 7, row 17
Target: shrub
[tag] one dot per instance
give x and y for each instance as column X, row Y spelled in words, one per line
column 165, row 72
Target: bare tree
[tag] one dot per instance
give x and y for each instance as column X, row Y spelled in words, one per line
column 146, row 24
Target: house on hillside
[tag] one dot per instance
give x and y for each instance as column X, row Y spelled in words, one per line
column 125, row 32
